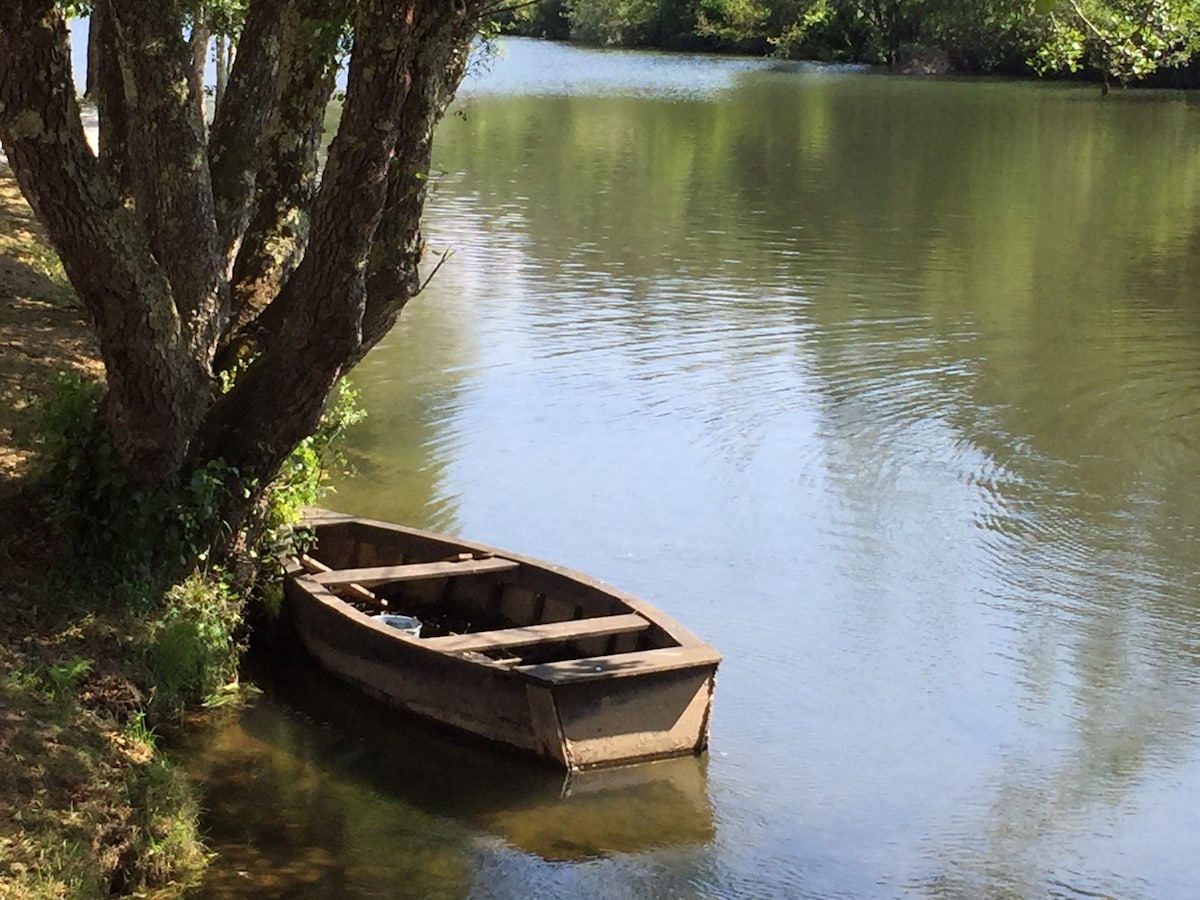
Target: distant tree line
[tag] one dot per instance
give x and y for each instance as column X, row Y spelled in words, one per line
column 1122, row 41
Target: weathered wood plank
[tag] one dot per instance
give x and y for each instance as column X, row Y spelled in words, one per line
column 539, row 634
column 315, row 567
column 413, row 572
column 621, row 665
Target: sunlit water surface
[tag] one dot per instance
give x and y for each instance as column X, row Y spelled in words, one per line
column 890, row 389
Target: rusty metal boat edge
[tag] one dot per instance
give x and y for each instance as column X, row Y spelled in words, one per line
column 570, row 670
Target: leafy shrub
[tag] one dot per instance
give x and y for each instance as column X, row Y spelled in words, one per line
column 129, row 536
column 137, row 540
column 149, row 552
column 192, row 650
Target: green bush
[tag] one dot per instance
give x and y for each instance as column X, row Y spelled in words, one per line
column 137, row 540
column 148, row 552
column 131, row 538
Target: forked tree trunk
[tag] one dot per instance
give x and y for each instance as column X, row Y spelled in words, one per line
column 181, row 247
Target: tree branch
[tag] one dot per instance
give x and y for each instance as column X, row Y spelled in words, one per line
column 198, row 42
column 393, row 277
column 1088, row 22
column 109, row 94
column 171, row 185
column 287, row 181
column 237, row 131
column 284, row 390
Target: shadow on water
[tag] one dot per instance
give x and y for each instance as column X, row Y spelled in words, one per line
column 312, row 790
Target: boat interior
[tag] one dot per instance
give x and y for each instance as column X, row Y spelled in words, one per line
column 474, row 602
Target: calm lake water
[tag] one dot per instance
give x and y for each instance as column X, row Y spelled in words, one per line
column 890, row 389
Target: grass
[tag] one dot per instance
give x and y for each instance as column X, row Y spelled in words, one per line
column 89, row 804
column 94, row 641
column 42, row 278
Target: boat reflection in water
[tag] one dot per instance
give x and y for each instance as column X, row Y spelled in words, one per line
column 624, row 810
column 312, row 788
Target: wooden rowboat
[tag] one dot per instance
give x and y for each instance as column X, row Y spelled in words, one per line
column 517, row 651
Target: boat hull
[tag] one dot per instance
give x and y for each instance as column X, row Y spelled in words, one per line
column 621, row 705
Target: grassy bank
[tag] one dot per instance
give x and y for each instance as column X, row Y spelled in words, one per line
column 89, row 806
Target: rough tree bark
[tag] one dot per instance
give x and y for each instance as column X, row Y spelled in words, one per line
column 236, row 139
column 108, row 92
column 183, row 247
column 276, row 235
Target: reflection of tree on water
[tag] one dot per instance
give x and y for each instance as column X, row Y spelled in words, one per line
column 1054, row 388
column 1001, row 410
column 339, row 793
column 410, row 386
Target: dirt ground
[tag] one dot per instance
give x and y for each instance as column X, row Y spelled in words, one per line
column 42, row 330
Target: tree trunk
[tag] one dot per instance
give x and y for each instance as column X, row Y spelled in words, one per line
column 151, row 237
column 287, row 180
column 109, row 95
column 238, row 126
column 323, row 300
column 155, row 388
column 393, row 273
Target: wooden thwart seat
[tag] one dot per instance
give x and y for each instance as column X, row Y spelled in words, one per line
column 621, row 665
column 551, row 632
column 413, row 572
column 314, row 566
